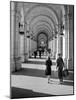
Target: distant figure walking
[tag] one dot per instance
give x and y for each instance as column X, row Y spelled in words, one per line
column 35, row 54
column 40, row 53
column 48, row 68
column 60, row 65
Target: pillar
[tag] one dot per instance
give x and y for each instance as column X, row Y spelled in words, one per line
column 26, row 42
column 22, row 35
column 14, row 51
column 59, row 37
column 71, row 38
column 25, row 46
column 59, row 45
column 28, row 45
column 54, row 48
column 12, row 62
column 69, row 33
column 22, row 47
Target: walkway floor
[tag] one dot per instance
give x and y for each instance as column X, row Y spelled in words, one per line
column 32, row 82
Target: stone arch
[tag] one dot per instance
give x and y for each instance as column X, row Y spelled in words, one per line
column 42, row 5
column 42, row 33
column 45, row 16
column 45, row 22
column 42, row 25
column 44, row 29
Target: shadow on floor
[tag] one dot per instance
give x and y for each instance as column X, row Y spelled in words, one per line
column 41, row 73
column 64, row 83
column 24, row 93
column 30, row 72
column 37, row 62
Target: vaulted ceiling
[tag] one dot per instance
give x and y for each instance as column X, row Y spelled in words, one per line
column 42, row 18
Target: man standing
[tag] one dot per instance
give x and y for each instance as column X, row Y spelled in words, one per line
column 60, row 65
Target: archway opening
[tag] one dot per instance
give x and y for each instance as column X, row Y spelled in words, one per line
column 42, row 40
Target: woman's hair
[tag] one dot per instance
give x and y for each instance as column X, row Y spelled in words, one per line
column 59, row 54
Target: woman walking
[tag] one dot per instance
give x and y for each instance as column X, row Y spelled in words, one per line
column 48, row 68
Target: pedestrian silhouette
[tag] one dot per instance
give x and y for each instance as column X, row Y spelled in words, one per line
column 48, row 68
column 59, row 66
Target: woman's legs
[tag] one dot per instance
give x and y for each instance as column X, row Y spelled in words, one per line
column 48, row 78
column 61, row 78
column 60, row 75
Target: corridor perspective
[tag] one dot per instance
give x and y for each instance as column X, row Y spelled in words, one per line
column 39, row 30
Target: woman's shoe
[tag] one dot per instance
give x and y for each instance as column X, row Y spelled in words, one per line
column 61, row 82
column 48, row 81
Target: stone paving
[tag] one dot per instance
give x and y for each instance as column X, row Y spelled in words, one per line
column 32, row 82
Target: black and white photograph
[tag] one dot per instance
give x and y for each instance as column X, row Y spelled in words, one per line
column 41, row 49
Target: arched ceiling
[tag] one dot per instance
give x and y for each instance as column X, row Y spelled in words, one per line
column 41, row 17
column 42, row 25
column 40, row 9
column 42, row 39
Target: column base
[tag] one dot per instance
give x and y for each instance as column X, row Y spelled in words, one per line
column 69, row 63
column 22, row 58
column 26, row 57
column 12, row 66
column 17, row 64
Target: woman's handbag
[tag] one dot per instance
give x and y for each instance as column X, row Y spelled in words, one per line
column 46, row 72
column 65, row 72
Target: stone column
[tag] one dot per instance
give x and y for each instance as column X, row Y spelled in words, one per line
column 22, row 35
column 26, row 42
column 66, row 37
column 17, row 42
column 29, row 46
column 12, row 62
column 15, row 57
column 51, row 48
column 60, row 37
column 59, row 45
column 22, row 47
column 71, row 38
column 69, row 33
column 54, row 48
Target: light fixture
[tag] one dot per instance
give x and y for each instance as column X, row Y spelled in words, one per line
column 55, row 36
column 62, row 27
column 21, row 31
column 28, row 36
column 62, row 34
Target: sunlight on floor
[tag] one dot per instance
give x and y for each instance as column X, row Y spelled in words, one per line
column 38, row 84
column 37, row 66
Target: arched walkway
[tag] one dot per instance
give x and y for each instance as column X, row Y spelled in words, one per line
column 39, row 30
